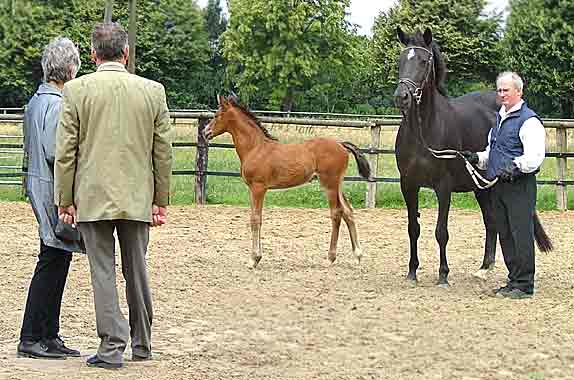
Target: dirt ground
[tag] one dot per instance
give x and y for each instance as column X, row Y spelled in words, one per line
column 295, row 316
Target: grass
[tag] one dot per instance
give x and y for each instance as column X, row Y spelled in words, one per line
column 232, row 191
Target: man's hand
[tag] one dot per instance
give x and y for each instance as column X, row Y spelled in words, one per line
column 158, row 215
column 509, row 173
column 67, row 214
column 471, row 157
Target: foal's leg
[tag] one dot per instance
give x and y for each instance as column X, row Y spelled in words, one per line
column 350, row 221
column 441, row 233
column 331, row 187
column 484, row 199
column 411, row 196
column 257, row 193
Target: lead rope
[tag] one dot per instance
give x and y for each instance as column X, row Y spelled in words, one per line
column 474, row 174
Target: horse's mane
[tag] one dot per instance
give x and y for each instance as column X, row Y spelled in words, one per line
column 247, row 112
column 439, row 63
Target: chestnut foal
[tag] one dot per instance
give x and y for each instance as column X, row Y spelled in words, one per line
column 267, row 164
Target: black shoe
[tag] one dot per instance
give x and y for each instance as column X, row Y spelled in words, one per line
column 500, row 291
column 94, row 361
column 138, row 358
column 57, row 345
column 515, row 294
column 37, row 350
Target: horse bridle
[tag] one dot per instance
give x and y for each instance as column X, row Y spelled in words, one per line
column 417, row 89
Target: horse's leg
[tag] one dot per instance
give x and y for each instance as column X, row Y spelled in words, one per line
column 441, row 232
column 257, row 193
column 411, row 196
column 350, row 221
column 484, row 199
column 331, row 187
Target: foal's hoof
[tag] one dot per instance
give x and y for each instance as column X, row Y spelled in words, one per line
column 481, row 274
column 443, row 285
column 358, row 256
column 412, row 282
column 332, row 257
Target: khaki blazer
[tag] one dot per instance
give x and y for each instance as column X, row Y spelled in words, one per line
column 113, row 146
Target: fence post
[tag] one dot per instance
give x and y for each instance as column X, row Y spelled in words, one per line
column 371, row 198
column 561, row 191
column 201, row 163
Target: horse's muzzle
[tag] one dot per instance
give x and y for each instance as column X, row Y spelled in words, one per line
column 403, row 98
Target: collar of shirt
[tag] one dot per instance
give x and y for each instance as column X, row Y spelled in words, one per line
column 111, row 66
column 516, row 107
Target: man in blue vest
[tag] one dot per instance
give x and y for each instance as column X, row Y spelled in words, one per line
column 515, row 151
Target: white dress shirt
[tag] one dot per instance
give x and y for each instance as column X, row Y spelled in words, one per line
column 532, row 135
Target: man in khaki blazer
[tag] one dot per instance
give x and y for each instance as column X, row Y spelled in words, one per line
column 112, row 173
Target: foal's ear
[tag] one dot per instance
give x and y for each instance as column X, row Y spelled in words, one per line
column 402, row 36
column 427, row 36
column 220, row 100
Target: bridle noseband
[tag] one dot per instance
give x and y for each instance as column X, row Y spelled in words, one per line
column 417, row 89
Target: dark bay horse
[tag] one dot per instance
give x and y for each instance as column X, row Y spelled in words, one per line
column 431, row 121
column 267, row 164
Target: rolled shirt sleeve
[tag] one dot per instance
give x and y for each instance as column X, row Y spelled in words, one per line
column 533, row 137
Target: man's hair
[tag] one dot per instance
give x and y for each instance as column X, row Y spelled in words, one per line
column 109, row 40
column 60, row 60
column 516, row 80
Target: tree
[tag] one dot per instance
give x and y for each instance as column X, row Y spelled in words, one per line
column 538, row 44
column 468, row 40
column 277, row 49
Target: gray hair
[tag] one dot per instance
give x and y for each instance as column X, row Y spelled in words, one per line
column 109, row 40
column 515, row 78
column 60, row 60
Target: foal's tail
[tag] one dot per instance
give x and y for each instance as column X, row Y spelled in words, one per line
column 362, row 163
column 542, row 240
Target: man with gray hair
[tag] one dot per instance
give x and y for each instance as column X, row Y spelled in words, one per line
column 514, row 154
column 113, row 168
column 39, row 337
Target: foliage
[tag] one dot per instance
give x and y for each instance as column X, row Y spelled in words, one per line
column 468, row 39
column 538, row 44
column 277, row 50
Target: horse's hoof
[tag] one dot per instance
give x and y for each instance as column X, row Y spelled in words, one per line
column 412, row 282
column 253, row 262
column 481, row 274
column 443, row 285
column 332, row 258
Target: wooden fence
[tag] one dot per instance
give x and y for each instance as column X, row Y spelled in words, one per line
column 375, row 123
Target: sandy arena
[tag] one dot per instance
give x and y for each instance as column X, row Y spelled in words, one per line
column 297, row 317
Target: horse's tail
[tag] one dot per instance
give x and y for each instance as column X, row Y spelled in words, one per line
column 542, row 240
column 362, row 163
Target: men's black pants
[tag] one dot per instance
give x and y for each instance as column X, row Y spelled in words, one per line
column 514, row 205
column 42, row 315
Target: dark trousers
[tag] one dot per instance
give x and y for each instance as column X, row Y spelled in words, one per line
column 514, row 205
column 42, row 315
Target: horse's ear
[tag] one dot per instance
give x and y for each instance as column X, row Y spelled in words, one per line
column 402, row 36
column 427, row 36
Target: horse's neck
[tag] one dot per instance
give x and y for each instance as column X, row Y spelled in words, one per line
column 422, row 119
column 246, row 137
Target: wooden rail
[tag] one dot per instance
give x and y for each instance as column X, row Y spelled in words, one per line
column 376, row 124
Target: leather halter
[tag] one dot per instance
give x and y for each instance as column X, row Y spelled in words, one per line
column 415, row 89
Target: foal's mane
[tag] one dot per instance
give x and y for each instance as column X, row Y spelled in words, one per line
column 439, row 64
column 254, row 118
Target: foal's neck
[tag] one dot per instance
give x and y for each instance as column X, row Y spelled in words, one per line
column 246, row 135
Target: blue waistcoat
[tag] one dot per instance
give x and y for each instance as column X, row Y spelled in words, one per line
column 505, row 144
